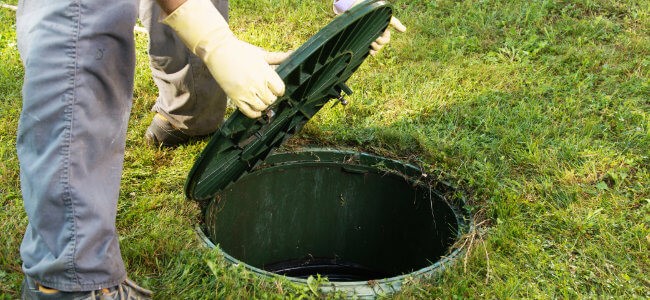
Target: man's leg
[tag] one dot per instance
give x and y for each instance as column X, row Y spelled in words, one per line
column 189, row 99
column 79, row 62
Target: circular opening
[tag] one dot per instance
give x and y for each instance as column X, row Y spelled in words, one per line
column 347, row 216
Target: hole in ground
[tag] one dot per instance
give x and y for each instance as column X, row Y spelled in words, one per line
column 346, row 216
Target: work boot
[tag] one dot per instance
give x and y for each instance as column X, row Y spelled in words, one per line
column 162, row 133
column 127, row 290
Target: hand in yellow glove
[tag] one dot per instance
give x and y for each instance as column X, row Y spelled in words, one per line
column 341, row 6
column 241, row 69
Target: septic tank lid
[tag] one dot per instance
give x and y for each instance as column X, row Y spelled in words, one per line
column 314, row 74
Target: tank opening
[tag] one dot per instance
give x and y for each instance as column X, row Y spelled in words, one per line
column 345, row 218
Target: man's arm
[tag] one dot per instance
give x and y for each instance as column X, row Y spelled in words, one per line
column 241, row 69
column 168, row 6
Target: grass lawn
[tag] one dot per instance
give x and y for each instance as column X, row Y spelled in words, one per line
column 539, row 110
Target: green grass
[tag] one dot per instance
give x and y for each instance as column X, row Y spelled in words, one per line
column 538, row 110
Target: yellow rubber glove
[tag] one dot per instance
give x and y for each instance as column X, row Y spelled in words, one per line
column 241, row 69
column 341, row 6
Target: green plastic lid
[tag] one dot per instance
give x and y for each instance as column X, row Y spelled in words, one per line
column 314, row 74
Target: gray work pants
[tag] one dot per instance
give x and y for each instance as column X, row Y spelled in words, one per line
column 79, row 63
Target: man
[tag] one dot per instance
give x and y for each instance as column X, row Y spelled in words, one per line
column 79, row 60
column 190, row 102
